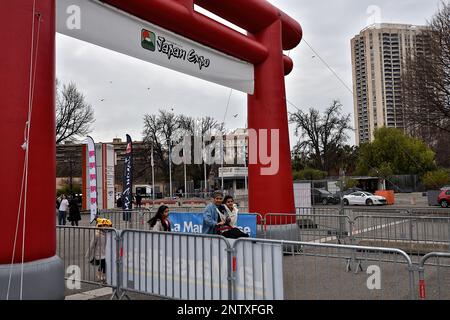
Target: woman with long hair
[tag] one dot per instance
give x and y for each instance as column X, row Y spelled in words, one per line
column 229, row 217
column 231, row 210
column 160, row 222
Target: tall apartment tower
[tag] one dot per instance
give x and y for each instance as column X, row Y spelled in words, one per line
column 379, row 54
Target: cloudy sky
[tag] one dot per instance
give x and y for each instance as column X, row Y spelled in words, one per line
column 123, row 82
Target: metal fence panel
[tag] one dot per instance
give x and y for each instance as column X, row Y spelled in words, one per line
column 77, row 245
column 434, row 277
column 180, row 266
column 413, row 234
column 257, row 270
column 340, row 272
column 307, row 227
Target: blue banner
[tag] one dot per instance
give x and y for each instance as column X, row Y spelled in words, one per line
column 193, row 223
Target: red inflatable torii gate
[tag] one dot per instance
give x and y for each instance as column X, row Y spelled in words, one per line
column 28, row 57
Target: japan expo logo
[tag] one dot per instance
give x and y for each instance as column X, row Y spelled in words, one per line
column 148, row 40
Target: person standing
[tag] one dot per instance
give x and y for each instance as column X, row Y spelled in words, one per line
column 160, row 222
column 119, row 202
column 96, row 252
column 74, row 212
column 62, row 211
column 211, row 216
column 138, row 200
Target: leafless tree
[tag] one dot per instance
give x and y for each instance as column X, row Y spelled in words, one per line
column 201, row 127
column 161, row 132
column 426, row 81
column 164, row 130
column 74, row 115
column 321, row 136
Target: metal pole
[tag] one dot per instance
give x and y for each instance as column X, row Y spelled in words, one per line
column 204, row 169
column 185, row 180
column 206, row 182
column 222, row 150
column 153, row 176
column 341, row 211
column 246, row 169
column 170, row 171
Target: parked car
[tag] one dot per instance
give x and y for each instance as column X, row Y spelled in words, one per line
column 364, row 198
column 445, row 188
column 444, row 198
column 346, row 192
column 322, row 196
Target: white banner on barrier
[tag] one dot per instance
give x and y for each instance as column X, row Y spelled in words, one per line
column 103, row 25
column 196, row 268
column 259, row 271
column 181, row 267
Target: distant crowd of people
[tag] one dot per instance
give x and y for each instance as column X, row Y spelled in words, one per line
column 68, row 209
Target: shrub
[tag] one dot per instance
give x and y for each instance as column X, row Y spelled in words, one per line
column 434, row 180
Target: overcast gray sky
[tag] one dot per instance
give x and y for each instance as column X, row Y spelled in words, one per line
column 123, row 82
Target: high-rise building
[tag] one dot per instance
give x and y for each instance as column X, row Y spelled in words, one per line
column 379, row 54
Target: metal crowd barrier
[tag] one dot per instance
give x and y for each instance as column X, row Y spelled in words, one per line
column 134, row 219
column 315, row 272
column 306, row 227
column 354, row 211
column 77, row 246
column 175, row 265
column 430, row 212
column 415, row 235
column 434, row 277
column 204, row 267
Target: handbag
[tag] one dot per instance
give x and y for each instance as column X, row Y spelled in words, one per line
column 234, row 233
column 220, row 230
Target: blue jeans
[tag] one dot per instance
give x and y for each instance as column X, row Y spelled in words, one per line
column 62, row 218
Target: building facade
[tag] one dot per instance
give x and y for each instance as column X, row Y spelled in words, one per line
column 379, row 54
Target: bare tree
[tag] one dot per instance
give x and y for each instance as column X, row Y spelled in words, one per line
column 426, row 81
column 161, row 132
column 322, row 137
column 201, row 127
column 74, row 115
column 164, row 130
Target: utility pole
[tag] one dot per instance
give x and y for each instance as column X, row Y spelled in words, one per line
column 206, row 182
column 341, row 211
column 223, row 155
column 185, row 178
column 153, row 175
column 170, row 170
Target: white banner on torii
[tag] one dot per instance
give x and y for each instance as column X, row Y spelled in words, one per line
column 108, row 27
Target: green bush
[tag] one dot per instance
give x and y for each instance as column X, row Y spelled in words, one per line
column 434, row 180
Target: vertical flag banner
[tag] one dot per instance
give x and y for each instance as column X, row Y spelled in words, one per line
column 127, row 194
column 92, row 178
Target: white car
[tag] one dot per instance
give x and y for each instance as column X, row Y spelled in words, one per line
column 363, row 198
